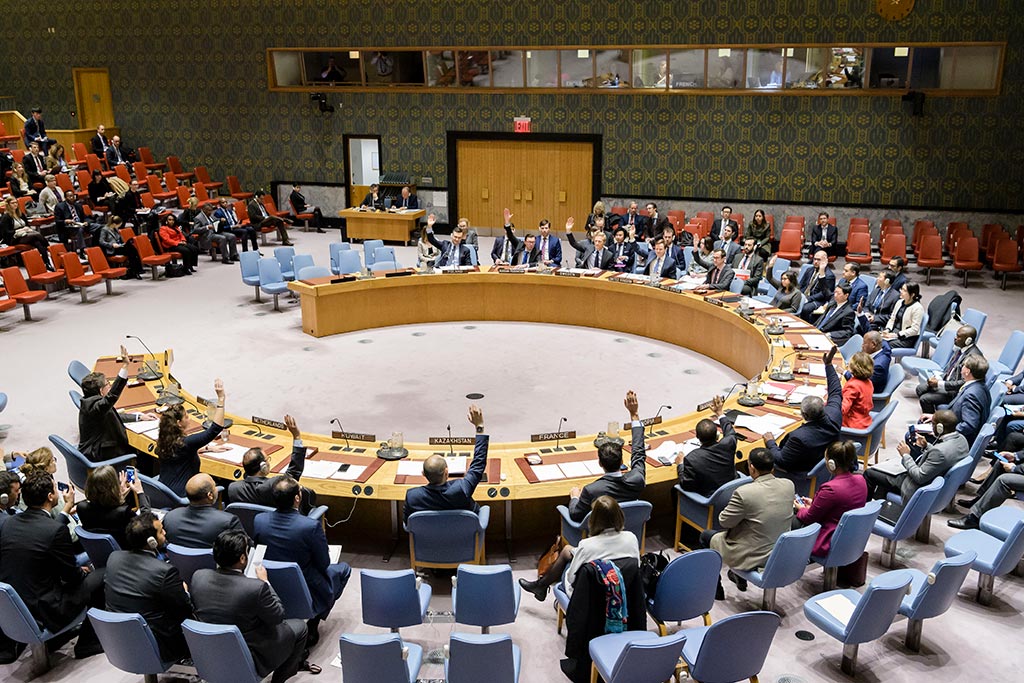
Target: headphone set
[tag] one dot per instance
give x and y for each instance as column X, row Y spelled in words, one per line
column 153, row 545
column 264, row 465
column 831, row 465
column 938, row 429
column 4, row 498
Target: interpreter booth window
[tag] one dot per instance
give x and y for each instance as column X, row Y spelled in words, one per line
column 764, row 68
column 507, row 68
column 824, row 67
column 969, row 67
column 612, row 68
column 542, row 68
column 686, row 68
column 287, row 68
column 577, row 68
column 474, row 68
column 393, row 67
column 725, row 67
column 889, row 67
column 650, row 69
column 332, row 68
column 441, row 69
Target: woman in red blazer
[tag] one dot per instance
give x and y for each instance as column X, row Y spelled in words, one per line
column 846, row 491
column 857, row 401
column 173, row 239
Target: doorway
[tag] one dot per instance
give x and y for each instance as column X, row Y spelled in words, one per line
column 92, row 96
column 362, row 165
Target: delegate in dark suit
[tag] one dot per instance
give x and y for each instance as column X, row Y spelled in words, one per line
column 99, row 145
column 116, row 156
column 622, row 486
column 35, row 130
column 752, row 263
column 730, row 248
column 935, row 461
column 197, row 526
column 804, row 447
column 719, row 279
column 101, row 434
column 880, row 305
column 623, row 256
column 830, row 235
column 716, row 229
column 227, row 596
column 66, row 214
column 552, row 246
column 656, row 226
column 454, row 494
column 589, row 257
column 858, row 291
column 667, row 268
column 451, row 254
column 946, row 389
column 838, row 321
column 136, row 581
column 410, row 202
column 256, row 488
column 517, row 249
column 705, row 469
column 971, row 406
column 35, row 167
column 882, row 360
column 817, row 289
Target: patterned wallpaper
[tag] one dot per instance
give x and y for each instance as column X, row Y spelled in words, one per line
column 190, row 78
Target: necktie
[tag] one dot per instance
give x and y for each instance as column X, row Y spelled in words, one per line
column 544, row 248
column 714, row 276
column 229, row 215
column 656, row 270
column 828, row 313
column 743, row 263
column 597, row 260
column 74, row 214
column 506, row 251
column 951, row 366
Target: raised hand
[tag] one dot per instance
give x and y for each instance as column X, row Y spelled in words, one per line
column 508, row 216
column 569, row 222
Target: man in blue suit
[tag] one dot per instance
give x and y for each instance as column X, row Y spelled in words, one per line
column 804, row 447
column 825, row 236
column 858, row 290
column 881, row 354
column 294, row 537
column 971, row 403
column 454, row 252
column 442, row 494
column 549, row 247
column 878, row 307
column 817, row 284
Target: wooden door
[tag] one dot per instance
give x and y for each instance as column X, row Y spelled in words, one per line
column 533, row 179
column 92, row 93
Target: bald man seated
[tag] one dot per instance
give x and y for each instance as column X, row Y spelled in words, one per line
column 442, row 494
column 198, row 525
column 257, row 485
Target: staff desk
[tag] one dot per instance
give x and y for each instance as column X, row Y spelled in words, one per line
column 390, row 226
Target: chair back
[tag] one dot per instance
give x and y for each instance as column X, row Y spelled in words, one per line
column 637, row 512
column 76, row 398
column 335, row 248
column 915, row 511
column 300, row 261
column 390, row 598
column 384, row 254
column 896, row 377
column 141, row 173
column 16, row 622
column 482, row 657
column 1012, row 352
column 375, row 658
column 378, row 266
column 851, row 347
column 246, row 513
column 653, row 659
column 687, row 258
column 144, row 247
column 78, row 465
column 944, row 348
column 312, row 272
column 249, row 263
column 851, row 535
column 290, row 585
column 485, row 595
column 789, row 557
column 160, row 496
column 473, row 256
column 270, row 271
column 122, row 172
column 219, row 653
column 97, row 546
column 877, row 429
column 877, row 607
column 348, row 263
column 975, row 319
column 687, row 586
column 127, row 641
column 33, row 262
column 14, row 281
column 234, row 187
column 370, row 251
column 189, row 560
column 285, row 256
column 956, row 477
column 981, row 442
column 77, row 371
column 1011, row 551
column 172, row 186
column 735, row 648
column 446, row 536
column 939, row 590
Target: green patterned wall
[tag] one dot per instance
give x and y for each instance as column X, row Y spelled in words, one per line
column 190, row 78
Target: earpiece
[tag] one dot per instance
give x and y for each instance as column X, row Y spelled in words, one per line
column 831, row 465
column 968, row 342
column 937, row 429
column 264, row 467
column 4, row 498
column 153, row 545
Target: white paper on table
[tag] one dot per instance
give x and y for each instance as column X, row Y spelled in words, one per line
column 793, row 322
column 763, row 423
column 320, row 469
column 594, row 467
column 547, row 472
column 571, row 470
column 410, row 468
column 456, row 464
column 817, row 342
column 891, row 466
column 142, row 426
column 816, row 369
column 686, row 285
column 755, row 304
column 233, row 454
column 351, row 474
column 839, row 606
column 800, row 393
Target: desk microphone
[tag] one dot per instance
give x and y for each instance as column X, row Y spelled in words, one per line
column 344, row 435
column 558, row 433
column 650, row 429
column 451, row 451
column 148, row 374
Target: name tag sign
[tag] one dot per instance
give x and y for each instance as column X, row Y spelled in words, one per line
column 647, row 422
column 354, row 436
column 273, row 424
column 716, row 302
column 704, row 406
column 568, row 273
column 451, row 440
column 552, row 436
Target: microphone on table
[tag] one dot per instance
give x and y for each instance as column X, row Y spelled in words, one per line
column 558, row 433
column 650, row 429
column 344, row 434
column 148, row 373
column 451, row 451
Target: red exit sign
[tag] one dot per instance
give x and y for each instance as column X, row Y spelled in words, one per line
column 521, row 124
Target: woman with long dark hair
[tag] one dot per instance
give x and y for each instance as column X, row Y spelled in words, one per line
column 179, row 454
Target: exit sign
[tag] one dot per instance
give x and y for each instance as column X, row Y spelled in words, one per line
column 521, row 124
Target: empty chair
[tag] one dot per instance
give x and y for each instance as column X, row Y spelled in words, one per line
column 161, row 497
column 872, row 616
column 348, row 263
column 76, row 399
column 393, row 599
column 1010, row 356
column 380, row 266
column 870, row 438
column 896, row 377
column 894, row 245
column 849, row 540
column 335, row 248
column 271, row 279
column 917, row 508
column 785, row 565
column 288, row 582
column 851, row 347
column 99, row 265
column 79, row 466
column 130, row 646
column 956, row 477
column 791, row 245
column 702, row 513
column 485, row 596
column 636, row 513
column 858, row 248
column 686, row 589
column 149, row 257
column 97, row 546
column 929, row 256
column 369, row 251
column 932, row 594
column 995, row 556
column 37, row 272
column 176, row 169
column 635, row 657
column 18, row 291
column 77, row 371
column 312, row 272
column 235, row 189
column 219, row 653
column 300, row 261
column 965, row 257
column 188, row 560
column 384, row 254
column 285, row 257
column 249, row 264
column 447, row 538
column 730, row 650
column 77, row 277
column 147, row 158
column 203, row 176
column 379, row 658
column 943, row 352
column 18, row 624
column 1006, row 260
column 482, row 657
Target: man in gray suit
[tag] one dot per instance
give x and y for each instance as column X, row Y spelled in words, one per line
column 227, row 596
column 936, row 391
column 756, row 515
column 750, row 264
column 198, row 525
column 719, row 277
column 934, row 461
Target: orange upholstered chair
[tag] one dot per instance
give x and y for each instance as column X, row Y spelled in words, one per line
column 965, row 257
column 99, row 265
column 17, row 290
column 147, row 159
column 1006, row 259
column 929, row 255
column 157, row 192
column 37, row 272
column 203, row 176
column 235, row 189
column 791, row 245
column 174, row 164
column 858, row 248
column 77, row 277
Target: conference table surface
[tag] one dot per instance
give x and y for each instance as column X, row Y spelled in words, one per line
column 390, row 226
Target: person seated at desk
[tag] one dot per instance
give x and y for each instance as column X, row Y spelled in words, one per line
column 672, row 245
column 857, row 393
column 179, row 454
column 937, row 390
column 700, row 263
column 818, row 285
column 109, row 506
column 623, row 251
column 198, row 524
column 660, row 265
column 878, row 307
column 1005, row 480
column 705, row 469
column 593, row 255
column 749, row 264
column 549, row 247
column 453, row 252
column 407, row 200
column 440, row 493
column 838, row 318
column 788, row 296
column 923, row 461
column 636, row 220
column 298, row 202
column 427, row 253
column 804, row 447
column 512, row 251
column 858, row 290
column 728, row 244
column 101, row 432
column 257, row 486
column 845, row 491
column 373, row 199
column 904, row 326
column 881, row 357
column 719, row 277
column 825, row 236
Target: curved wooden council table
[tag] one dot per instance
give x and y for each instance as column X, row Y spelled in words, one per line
column 675, row 317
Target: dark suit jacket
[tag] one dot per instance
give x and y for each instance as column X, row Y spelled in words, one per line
column 498, row 250
column 858, row 292
column 755, row 265
column 518, row 247
column 62, row 213
column 841, row 321
column 971, row 406
column 34, row 130
column 293, row 537
column 38, row 560
column 628, row 253
column 101, row 434
column 586, row 250
column 298, row 201
column 225, row 596
column 640, row 221
column 831, row 235
column 804, row 447
column 455, row 494
column 35, row 167
column 881, row 309
column 708, row 467
column 136, row 581
column 716, row 229
column 554, row 250
column 105, row 520
column 731, row 250
column 883, row 359
column 953, row 379
column 412, row 203
column 112, row 153
column 99, row 145
column 197, row 526
column 622, row 486
column 656, row 227
column 823, row 290
column 668, row 266
column 368, row 201
column 257, row 489
column 724, row 280
column 448, row 257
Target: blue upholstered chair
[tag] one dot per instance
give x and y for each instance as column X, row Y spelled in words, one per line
column 636, row 513
column 219, row 653
column 1011, row 354
column 79, row 466
column 370, row 251
column 384, row 254
column 18, row 624
column 981, row 442
column 932, row 594
column 249, row 264
column 475, row 657
column 686, row 589
column 312, row 272
column 379, row 658
column 895, row 379
column 785, row 565
column 285, row 257
column 870, row 438
column 924, row 366
column 288, row 582
column 189, row 560
column 335, row 248
column 702, row 513
column 300, row 261
column 246, row 513
column 77, row 372
column 378, row 266
column 271, row 279
column 348, row 263
column 956, row 477
column 130, row 646
column 485, row 596
column 447, row 538
column 995, row 556
column 635, row 657
column 393, row 599
column 914, row 512
column 97, row 546
column 849, row 540
column 731, row 649
column 76, row 398
column 807, row 484
column 872, row 616
column 160, row 497
column 851, row 347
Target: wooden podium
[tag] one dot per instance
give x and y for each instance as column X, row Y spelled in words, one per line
column 390, row 226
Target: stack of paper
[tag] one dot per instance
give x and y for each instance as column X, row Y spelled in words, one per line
column 410, row 468
column 817, row 342
column 839, row 607
column 755, row 304
column 233, row 453
column 547, row 472
column 143, row 426
column 456, row 464
column 571, row 470
column 816, row 369
column 351, row 474
column 800, row 393
column 320, row 469
column 763, row 423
